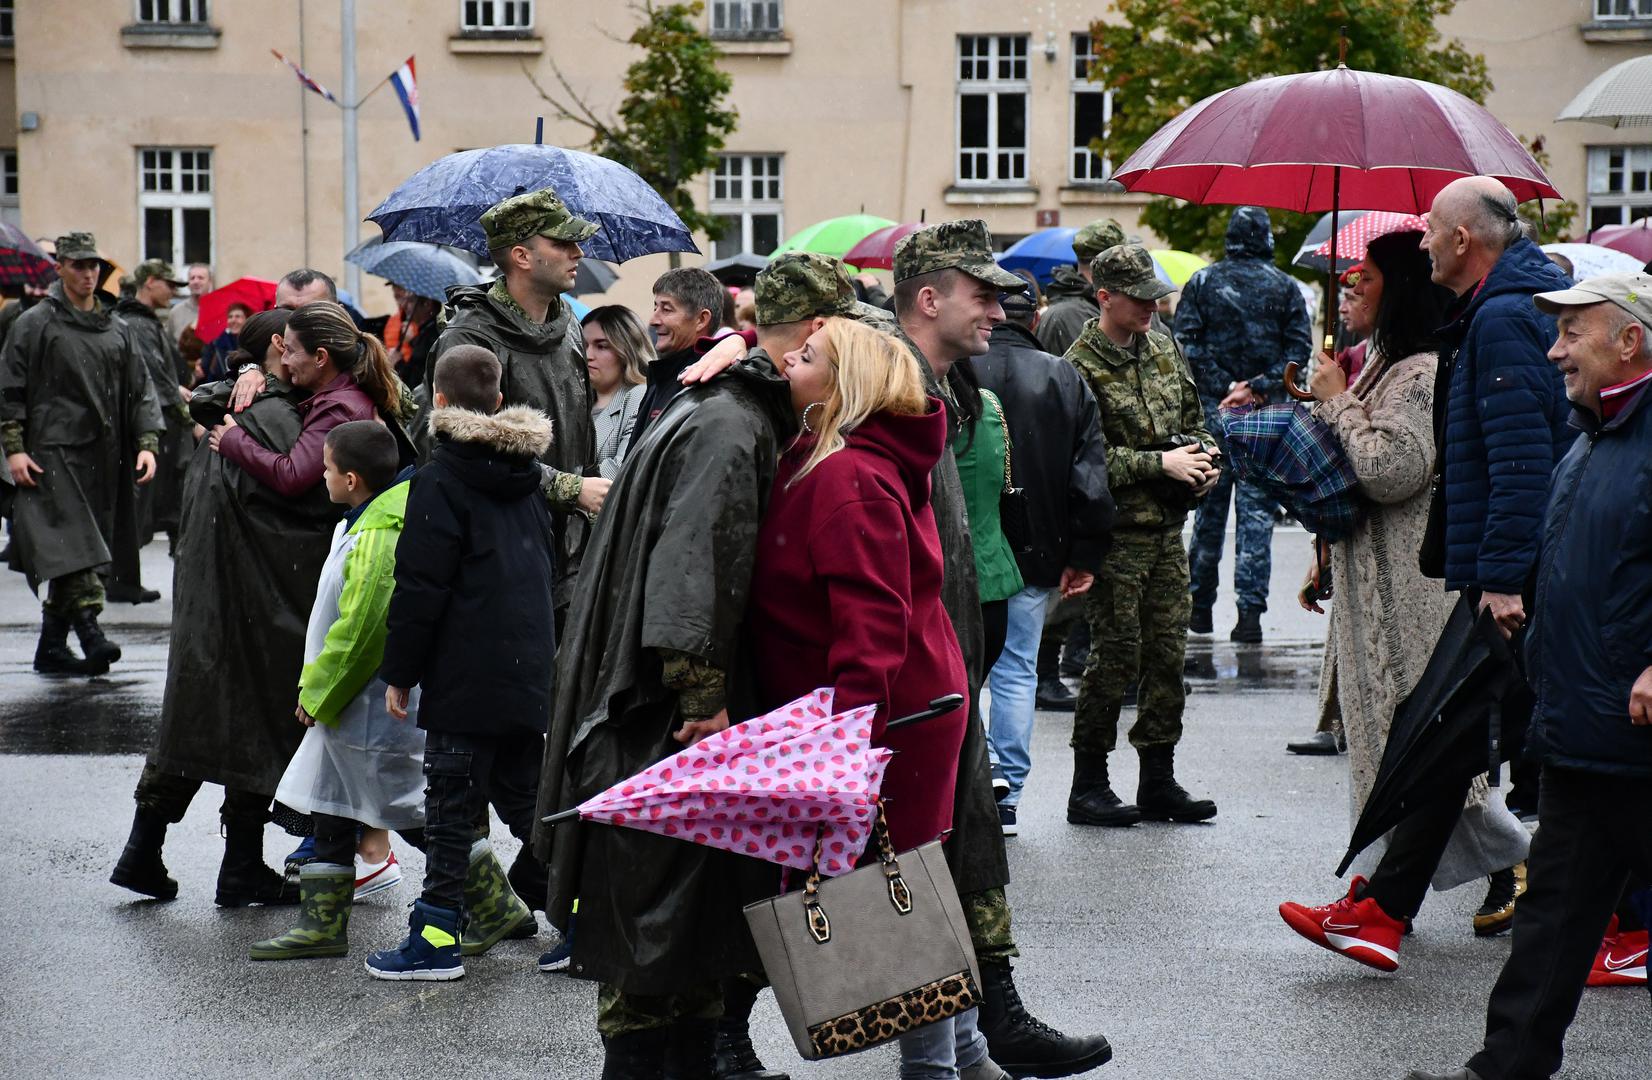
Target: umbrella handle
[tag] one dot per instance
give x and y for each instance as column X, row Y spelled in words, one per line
column 1290, row 383
column 938, row 707
column 557, row 819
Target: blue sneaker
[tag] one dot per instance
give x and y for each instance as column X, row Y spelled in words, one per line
column 303, row 853
column 429, row 953
column 562, row 955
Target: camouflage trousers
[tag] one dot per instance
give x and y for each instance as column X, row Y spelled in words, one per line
column 71, row 592
column 1252, row 541
column 168, row 795
column 988, row 915
column 1138, row 610
column 620, row 1013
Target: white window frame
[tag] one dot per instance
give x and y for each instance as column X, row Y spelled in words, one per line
column 1084, row 56
column 1637, row 9
column 171, row 12
column 496, row 16
column 738, row 18
column 995, row 85
column 11, row 202
column 731, row 195
column 177, row 188
column 8, row 22
column 1637, row 158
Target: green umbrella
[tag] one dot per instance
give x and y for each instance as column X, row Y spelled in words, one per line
column 834, row 236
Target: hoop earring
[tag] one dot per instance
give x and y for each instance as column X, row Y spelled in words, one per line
column 804, row 419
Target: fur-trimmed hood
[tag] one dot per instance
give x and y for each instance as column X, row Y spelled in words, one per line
column 517, row 431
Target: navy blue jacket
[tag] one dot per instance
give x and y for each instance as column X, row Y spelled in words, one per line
column 1591, row 631
column 1505, row 423
column 1243, row 319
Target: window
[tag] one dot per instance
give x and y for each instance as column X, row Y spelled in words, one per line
column 180, row 12
column 7, row 14
column 1620, row 184
column 10, row 205
column 747, row 197
column 175, row 204
column 491, row 16
column 1092, row 112
column 1623, row 9
column 992, row 108
column 745, row 18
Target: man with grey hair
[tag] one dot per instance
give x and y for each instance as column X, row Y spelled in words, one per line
column 1592, row 722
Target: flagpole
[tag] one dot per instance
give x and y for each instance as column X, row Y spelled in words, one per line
column 352, row 206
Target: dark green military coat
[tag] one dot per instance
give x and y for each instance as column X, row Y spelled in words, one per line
column 1072, row 303
column 157, row 503
column 1147, row 397
column 544, row 368
column 669, row 567
column 84, row 399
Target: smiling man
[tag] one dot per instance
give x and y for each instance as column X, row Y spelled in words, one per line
column 1589, row 656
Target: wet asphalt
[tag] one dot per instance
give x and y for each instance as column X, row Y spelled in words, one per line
column 1163, row 937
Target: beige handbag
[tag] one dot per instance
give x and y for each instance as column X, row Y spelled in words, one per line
column 861, row 959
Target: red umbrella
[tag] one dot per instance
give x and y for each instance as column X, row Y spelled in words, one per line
column 1329, row 140
column 1353, row 238
column 1633, row 239
column 255, row 293
column 877, row 250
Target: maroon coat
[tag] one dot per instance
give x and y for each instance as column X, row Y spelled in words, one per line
column 299, row 469
column 847, row 594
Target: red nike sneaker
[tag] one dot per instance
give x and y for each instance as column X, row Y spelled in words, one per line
column 1358, row 929
column 1621, row 960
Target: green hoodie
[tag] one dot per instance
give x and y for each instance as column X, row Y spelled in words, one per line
column 354, row 648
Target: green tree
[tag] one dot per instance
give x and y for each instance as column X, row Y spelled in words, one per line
column 1553, row 220
column 673, row 119
column 1166, row 55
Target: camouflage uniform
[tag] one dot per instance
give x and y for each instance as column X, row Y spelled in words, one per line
column 1138, row 607
column 1240, row 320
column 1072, row 299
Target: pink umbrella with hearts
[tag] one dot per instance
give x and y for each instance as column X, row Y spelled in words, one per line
column 770, row 788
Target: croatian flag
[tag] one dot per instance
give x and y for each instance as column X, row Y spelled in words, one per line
column 408, row 90
column 304, row 78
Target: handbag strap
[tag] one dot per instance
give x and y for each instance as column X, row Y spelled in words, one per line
column 992, row 399
column 900, row 897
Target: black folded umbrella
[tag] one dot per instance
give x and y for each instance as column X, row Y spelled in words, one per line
column 738, row 269
column 1467, row 715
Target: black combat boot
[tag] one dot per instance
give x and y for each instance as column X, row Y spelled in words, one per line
column 1200, row 621
column 1092, row 801
column 1248, row 630
column 636, row 1055
column 140, row 867
column 1160, row 797
column 242, row 877
column 123, row 592
column 736, row 1059
column 98, row 649
column 1023, row 1045
column 1053, row 696
column 52, row 656
column 690, row 1051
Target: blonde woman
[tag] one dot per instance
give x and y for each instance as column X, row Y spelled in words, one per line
column 846, row 592
column 617, row 354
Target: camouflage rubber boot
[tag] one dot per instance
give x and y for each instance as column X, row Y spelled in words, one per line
column 493, row 911
column 324, row 891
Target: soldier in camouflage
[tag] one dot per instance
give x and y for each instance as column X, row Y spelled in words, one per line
column 1239, row 322
column 1158, row 465
column 1072, row 299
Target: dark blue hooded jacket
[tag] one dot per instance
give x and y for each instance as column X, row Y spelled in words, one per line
column 1505, row 423
column 1242, row 319
column 1591, row 631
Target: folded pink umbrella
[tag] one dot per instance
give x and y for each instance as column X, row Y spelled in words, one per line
column 770, row 788
column 1353, row 238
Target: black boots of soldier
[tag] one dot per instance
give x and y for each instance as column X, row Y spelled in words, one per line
column 683, row 1051
column 243, row 878
column 736, row 1060
column 1160, row 798
column 52, row 656
column 1023, row 1045
column 140, row 868
column 1092, row 801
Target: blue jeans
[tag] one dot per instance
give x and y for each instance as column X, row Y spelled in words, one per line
column 938, row 1051
column 1014, row 685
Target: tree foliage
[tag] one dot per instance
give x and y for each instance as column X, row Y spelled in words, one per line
column 1551, row 220
column 673, row 120
column 1166, row 55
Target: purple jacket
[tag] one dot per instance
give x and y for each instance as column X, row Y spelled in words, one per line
column 299, row 469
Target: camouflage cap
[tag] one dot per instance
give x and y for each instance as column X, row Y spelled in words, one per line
column 953, row 245
column 800, row 285
column 536, row 213
column 1128, row 269
column 155, row 268
column 77, row 245
column 1096, row 238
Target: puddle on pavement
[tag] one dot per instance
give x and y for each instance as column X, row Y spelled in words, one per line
column 112, row 714
column 1221, row 667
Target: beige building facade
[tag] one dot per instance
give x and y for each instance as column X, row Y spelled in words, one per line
column 168, row 128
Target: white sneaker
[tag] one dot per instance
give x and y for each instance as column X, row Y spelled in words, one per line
column 376, row 877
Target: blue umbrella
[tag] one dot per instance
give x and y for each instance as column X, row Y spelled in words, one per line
column 443, row 202
column 422, row 269
column 580, row 310
column 1041, row 253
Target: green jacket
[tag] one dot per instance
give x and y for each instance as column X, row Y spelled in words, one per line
column 354, row 648
column 981, row 469
column 1147, row 397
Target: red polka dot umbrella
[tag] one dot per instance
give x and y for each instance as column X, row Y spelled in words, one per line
column 1353, row 238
